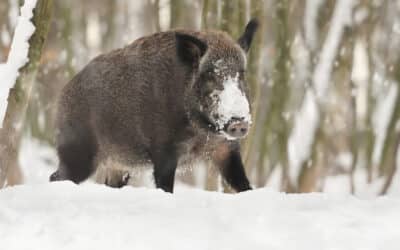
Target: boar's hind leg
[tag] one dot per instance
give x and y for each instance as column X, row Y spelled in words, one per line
column 165, row 163
column 77, row 156
column 227, row 157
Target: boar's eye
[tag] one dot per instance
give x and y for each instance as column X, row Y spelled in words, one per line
column 210, row 74
column 214, row 95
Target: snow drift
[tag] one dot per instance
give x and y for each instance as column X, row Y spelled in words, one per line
column 66, row 216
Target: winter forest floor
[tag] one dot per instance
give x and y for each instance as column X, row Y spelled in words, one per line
column 62, row 215
column 67, row 216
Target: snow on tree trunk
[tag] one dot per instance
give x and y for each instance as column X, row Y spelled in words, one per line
column 389, row 131
column 18, row 55
column 310, row 22
column 381, row 119
column 302, row 141
column 18, row 76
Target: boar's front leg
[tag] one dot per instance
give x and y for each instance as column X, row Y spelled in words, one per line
column 165, row 162
column 229, row 161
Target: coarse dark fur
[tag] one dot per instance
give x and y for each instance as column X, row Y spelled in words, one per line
column 140, row 105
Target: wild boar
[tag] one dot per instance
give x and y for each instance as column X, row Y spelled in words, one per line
column 164, row 100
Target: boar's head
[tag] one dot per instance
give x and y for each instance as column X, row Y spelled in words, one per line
column 219, row 93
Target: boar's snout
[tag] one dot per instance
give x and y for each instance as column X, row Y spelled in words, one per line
column 236, row 129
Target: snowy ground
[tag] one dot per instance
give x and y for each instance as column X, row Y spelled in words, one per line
column 40, row 215
column 90, row 216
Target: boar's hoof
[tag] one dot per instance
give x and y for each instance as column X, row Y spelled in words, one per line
column 118, row 182
column 57, row 176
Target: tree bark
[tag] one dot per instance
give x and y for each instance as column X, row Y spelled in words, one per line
column 254, row 78
column 275, row 129
column 4, row 27
column 10, row 134
column 184, row 14
column 390, row 148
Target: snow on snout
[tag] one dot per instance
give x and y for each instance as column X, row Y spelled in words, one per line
column 232, row 102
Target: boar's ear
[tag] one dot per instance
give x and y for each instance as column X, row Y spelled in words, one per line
column 189, row 48
column 246, row 38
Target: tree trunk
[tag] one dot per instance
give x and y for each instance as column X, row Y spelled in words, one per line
column 317, row 162
column 209, row 15
column 363, row 133
column 10, row 135
column 254, row 78
column 39, row 121
column 275, row 130
column 4, row 27
column 185, row 14
column 390, row 148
